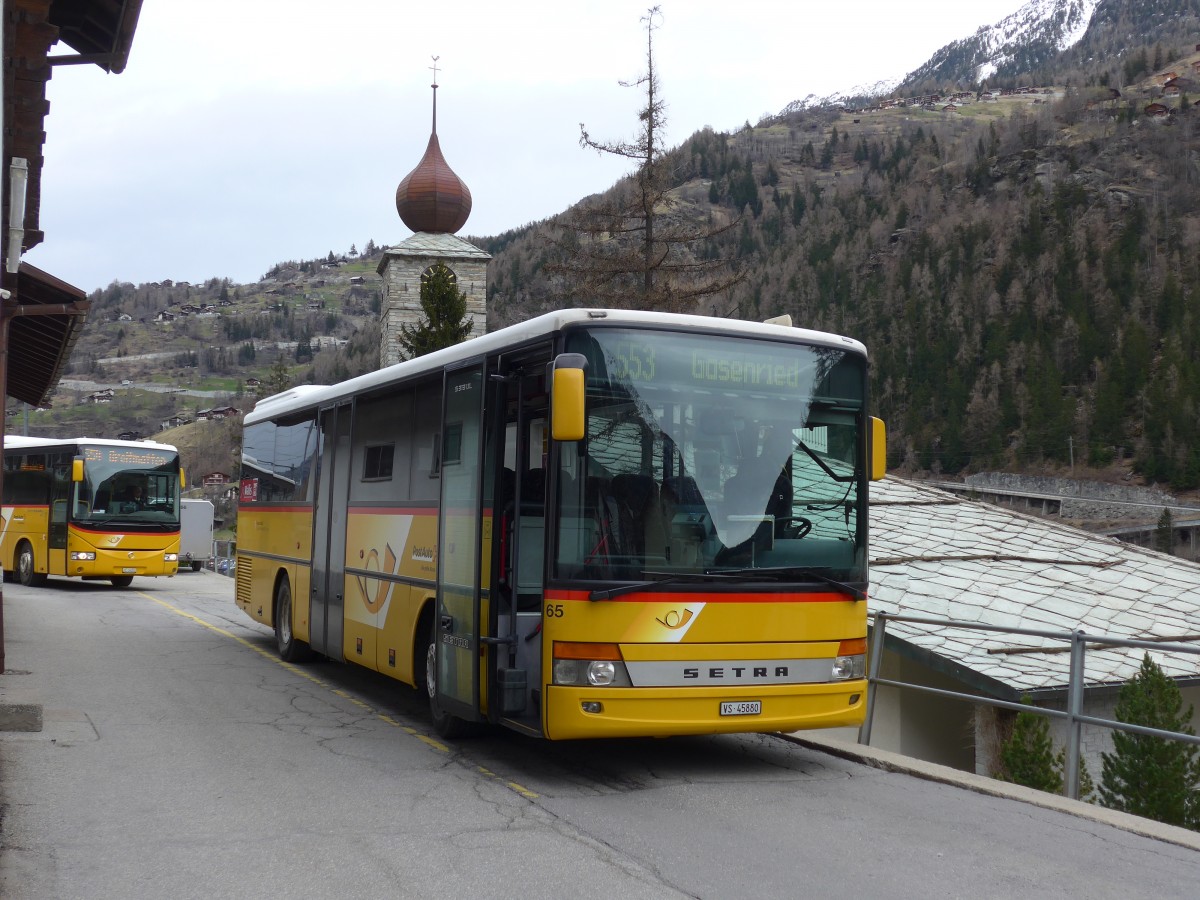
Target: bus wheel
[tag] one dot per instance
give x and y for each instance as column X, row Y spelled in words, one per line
column 446, row 725
column 121, row 581
column 290, row 649
column 26, row 573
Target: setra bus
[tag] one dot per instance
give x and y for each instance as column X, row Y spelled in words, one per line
column 89, row 508
column 596, row 523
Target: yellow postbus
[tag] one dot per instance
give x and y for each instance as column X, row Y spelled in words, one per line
column 89, row 508
column 597, row 523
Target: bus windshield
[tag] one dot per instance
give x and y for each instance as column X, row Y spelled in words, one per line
column 129, row 485
column 714, row 454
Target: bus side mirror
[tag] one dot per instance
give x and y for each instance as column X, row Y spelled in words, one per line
column 77, row 469
column 878, row 449
column 182, row 479
column 567, row 415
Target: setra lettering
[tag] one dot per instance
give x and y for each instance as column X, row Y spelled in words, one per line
column 739, row 673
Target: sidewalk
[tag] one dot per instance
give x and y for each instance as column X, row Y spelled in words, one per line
column 981, row 784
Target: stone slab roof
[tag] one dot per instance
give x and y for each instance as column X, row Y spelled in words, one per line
column 425, row 243
column 936, row 554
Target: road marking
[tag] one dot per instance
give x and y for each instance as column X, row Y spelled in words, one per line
column 430, row 742
column 511, row 785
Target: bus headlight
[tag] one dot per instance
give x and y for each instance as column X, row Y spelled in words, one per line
column 589, row 665
column 851, row 660
column 83, row 555
column 847, row 668
column 601, row 672
column 170, row 557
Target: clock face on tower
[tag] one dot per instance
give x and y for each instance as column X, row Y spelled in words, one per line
column 435, row 268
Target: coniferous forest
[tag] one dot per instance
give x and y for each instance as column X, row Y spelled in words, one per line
column 1025, row 270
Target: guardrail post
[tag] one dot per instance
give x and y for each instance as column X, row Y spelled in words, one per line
column 878, row 630
column 1074, row 710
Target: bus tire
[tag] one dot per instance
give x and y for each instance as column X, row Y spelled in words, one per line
column 445, row 724
column 196, row 564
column 121, row 581
column 27, row 573
column 291, row 649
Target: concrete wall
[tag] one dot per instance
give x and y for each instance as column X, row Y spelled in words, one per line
column 921, row 725
column 967, row 736
column 1084, row 499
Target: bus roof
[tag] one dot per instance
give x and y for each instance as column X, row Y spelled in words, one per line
column 22, row 442
column 309, row 396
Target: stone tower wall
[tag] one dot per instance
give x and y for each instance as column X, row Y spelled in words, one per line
column 402, row 296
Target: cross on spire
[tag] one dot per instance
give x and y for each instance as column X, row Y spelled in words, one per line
column 435, row 87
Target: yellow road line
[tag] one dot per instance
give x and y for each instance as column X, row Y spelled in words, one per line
column 511, row 785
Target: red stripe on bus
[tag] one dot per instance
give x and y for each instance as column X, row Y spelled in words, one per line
column 677, row 596
column 111, row 530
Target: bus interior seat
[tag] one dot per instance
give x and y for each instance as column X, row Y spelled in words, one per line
column 682, row 490
column 533, row 490
column 636, row 498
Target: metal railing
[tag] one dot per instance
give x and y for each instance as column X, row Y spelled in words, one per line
column 1075, row 684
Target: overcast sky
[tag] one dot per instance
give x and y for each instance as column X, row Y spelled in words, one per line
column 248, row 132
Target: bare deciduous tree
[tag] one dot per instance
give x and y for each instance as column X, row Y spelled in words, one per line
column 628, row 249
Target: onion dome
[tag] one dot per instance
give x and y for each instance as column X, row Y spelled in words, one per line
column 431, row 198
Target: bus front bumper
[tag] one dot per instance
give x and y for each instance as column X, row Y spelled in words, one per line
column 144, row 563
column 571, row 712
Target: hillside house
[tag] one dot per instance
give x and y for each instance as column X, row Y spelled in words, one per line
column 218, row 412
column 1157, row 111
column 165, row 316
column 174, row 422
column 357, row 279
column 939, row 555
column 216, row 479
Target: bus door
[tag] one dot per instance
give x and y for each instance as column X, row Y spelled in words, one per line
column 459, row 535
column 327, row 604
column 60, row 490
column 520, row 537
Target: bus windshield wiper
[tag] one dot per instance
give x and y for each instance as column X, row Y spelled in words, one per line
column 780, row 573
column 666, row 578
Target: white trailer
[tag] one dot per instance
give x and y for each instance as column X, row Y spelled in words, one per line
column 195, row 533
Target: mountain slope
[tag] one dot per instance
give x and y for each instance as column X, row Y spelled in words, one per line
column 1020, row 43
column 1024, row 271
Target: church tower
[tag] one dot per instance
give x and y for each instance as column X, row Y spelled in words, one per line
column 434, row 203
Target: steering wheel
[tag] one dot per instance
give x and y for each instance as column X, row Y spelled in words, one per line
column 796, row 527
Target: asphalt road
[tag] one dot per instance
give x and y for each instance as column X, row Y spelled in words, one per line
column 180, row 758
